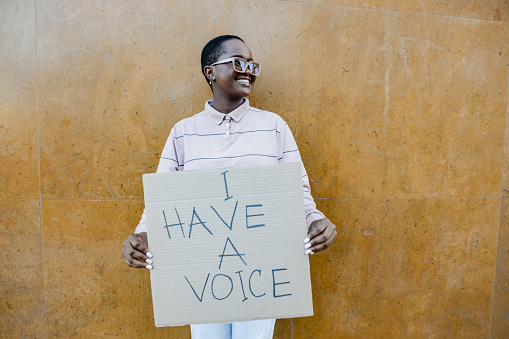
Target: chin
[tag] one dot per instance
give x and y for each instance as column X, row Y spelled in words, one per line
column 244, row 94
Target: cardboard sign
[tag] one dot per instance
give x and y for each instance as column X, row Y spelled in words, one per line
column 227, row 245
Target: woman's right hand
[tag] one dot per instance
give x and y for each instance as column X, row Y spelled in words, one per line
column 135, row 251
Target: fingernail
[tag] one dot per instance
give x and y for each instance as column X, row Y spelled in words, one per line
column 148, row 261
column 306, row 240
column 309, row 252
column 149, row 267
column 308, row 245
column 149, row 254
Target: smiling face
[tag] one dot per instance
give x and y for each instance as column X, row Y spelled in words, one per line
column 227, row 84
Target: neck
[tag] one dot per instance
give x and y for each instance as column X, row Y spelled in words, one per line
column 226, row 106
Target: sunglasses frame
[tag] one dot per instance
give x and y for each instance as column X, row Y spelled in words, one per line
column 247, row 63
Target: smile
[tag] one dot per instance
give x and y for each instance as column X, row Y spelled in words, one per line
column 243, row 81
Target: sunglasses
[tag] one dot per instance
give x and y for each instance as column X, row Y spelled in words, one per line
column 241, row 65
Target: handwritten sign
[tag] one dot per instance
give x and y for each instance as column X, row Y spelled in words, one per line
column 227, row 245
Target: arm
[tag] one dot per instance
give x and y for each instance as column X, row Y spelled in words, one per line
column 321, row 231
column 135, row 249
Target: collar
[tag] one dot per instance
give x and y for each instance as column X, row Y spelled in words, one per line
column 218, row 117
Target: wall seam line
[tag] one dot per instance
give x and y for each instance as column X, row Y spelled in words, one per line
column 495, row 271
column 298, row 73
column 422, row 197
column 298, row 96
column 26, row 199
column 140, row 199
column 397, row 11
column 500, row 207
column 316, row 198
column 319, row 198
column 39, row 167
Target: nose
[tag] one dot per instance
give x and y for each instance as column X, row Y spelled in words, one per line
column 248, row 70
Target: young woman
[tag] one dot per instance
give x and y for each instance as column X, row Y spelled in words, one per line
column 230, row 133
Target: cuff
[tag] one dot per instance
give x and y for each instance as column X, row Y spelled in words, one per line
column 142, row 227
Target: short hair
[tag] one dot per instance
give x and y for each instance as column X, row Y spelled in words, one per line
column 213, row 50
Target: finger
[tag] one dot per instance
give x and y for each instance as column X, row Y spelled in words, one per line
column 321, row 245
column 325, row 241
column 318, row 240
column 133, row 262
column 319, row 228
column 135, row 258
column 316, row 229
column 138, row 244
column 132, row 257
column 141, row 245
column 135, row 254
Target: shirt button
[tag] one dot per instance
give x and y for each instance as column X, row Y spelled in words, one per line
column 228, row 125
column 227, row 133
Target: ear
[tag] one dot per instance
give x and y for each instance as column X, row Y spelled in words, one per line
column 209, row 73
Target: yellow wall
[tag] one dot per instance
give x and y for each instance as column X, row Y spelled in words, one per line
column 399, row 109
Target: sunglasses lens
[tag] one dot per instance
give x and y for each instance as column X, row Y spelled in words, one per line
column 255, row 68
column 239, row 65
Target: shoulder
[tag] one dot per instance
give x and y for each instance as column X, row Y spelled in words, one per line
column 189, row 123
column 260, row 114
column 191, row 120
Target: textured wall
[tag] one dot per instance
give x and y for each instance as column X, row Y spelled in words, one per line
column 399, row 107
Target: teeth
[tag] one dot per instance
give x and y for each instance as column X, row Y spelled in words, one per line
column 243, row 81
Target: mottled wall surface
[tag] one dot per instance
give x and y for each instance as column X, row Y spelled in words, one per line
column 399, row 107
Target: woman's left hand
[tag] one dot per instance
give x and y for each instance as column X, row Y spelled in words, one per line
column 320, row 236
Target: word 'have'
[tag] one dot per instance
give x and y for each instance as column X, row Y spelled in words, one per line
column 196, row 220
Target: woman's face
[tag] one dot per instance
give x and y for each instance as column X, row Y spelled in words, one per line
column 228, row 83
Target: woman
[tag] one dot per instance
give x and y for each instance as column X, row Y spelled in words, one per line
column 230, row 133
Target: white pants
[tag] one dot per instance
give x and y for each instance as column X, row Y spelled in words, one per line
column 255, row 329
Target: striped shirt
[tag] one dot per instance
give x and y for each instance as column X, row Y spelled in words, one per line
column 245, row 137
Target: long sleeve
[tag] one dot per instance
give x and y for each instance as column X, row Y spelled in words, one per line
column 168, row 162
column 289, row 152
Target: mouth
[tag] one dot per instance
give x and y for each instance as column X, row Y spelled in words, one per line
column 245, row 82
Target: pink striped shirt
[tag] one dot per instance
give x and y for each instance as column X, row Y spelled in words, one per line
column 245, row 137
